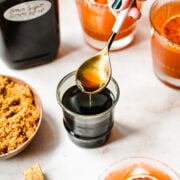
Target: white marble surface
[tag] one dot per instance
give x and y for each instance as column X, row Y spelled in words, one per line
column 147, row 116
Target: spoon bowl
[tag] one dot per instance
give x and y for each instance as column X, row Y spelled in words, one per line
column 95, row 73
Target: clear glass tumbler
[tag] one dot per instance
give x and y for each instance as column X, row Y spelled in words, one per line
column 97, row 21
column 88, row 119
column 165, row 40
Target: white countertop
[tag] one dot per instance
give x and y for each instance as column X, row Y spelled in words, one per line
column 147, row 116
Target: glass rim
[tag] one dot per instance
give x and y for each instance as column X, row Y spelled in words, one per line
column 128, row 161
column 155, row 29
column 93, row 3
column 116, row 98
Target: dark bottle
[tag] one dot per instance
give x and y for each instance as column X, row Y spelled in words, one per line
column 29, row 32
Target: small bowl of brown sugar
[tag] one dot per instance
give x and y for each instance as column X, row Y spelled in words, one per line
column 20, row 115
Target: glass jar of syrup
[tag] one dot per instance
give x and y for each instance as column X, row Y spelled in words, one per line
column 88, row 118
column 29, row 32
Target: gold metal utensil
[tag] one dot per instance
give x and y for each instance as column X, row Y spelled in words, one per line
column 94, row 74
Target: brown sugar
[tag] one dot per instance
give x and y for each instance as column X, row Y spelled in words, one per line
column 18, row 114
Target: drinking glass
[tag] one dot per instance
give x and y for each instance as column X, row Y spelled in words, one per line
column 139, row 168
column 165, row 40
column 97, row 21
column 88, row 119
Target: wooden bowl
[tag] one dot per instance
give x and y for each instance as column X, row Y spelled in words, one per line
column 38, row 104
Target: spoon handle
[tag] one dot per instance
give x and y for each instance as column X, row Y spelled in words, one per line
column 120, row 18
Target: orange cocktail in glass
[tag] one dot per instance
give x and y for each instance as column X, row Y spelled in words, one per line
column 139, row 169
column 165, row 41
column 97, row 21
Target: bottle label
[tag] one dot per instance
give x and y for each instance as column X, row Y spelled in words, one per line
column 27, row 10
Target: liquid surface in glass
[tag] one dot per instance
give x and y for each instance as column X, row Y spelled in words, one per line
column 78, row 102
column 140, row 171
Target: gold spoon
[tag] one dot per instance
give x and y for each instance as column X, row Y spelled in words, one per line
column 94, row 74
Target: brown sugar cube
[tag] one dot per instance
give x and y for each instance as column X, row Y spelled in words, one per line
column 33, row 173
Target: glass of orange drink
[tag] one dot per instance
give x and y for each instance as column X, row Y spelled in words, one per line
column 139, row 168
column 97, row 21
column 165, row 40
